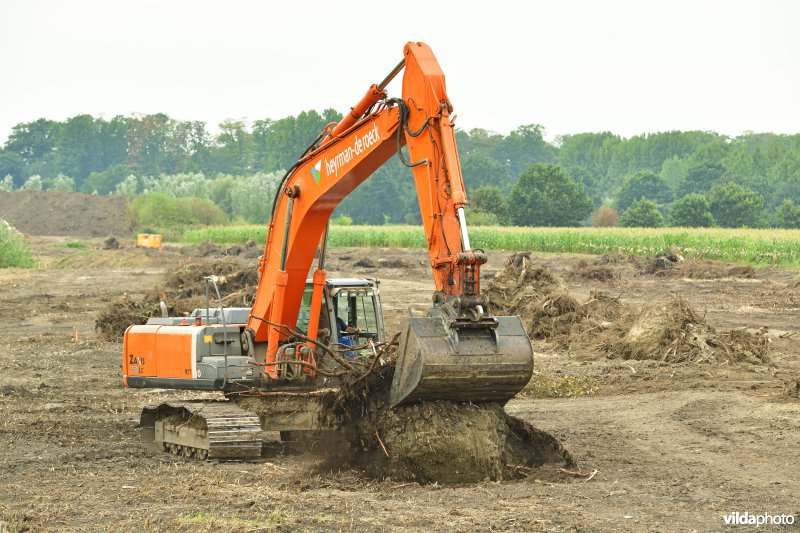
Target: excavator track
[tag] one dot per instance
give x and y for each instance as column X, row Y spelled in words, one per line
column 202, row 430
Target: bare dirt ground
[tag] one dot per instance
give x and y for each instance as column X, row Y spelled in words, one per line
column 675, row 446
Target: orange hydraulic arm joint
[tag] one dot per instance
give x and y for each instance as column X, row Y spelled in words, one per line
column 430, row 136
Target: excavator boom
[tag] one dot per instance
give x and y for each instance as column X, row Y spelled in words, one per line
column 459, row 351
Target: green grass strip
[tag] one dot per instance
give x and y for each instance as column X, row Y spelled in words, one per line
column 14, row 250
column 744, row 246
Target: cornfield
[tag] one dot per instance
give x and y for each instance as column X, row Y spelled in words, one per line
column 745, row 246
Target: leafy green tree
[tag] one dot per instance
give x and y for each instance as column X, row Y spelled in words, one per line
column 734, row 206
column 523, row 147
column 127, row 187
column 642, row 213
column 589, row 182
column 158, row 210
column 7, row 183
column 545, row 195
column 674, row 171
column 34, row 141
column 691, row 211
column 60, row 183
column 591, row 151
column 34, row 183
column 788, row 215
column 78, row 148
column 643, row 184
column 702, row 176
column 105, row 182
column 490, row 199
column 12, row 164
column 252, row 196
column 219, row 192
column 481, row 170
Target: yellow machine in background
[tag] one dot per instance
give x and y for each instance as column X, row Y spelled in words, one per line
column 148, row 240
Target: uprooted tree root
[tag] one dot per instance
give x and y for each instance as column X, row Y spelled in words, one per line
column 440, row 441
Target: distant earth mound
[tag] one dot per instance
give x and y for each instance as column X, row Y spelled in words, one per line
column 65, row 213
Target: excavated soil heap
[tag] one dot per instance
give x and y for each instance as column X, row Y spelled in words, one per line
column 697, row 269
column 674, row 332
column 66, row 213
column 592, row 271
column 208, row 249
column 442, row 441
column 184, row 291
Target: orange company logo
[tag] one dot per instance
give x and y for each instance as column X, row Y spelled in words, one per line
column 315, row 171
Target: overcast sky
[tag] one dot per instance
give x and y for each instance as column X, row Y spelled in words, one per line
column 628, row 67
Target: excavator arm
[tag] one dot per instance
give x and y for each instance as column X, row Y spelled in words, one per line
column 458, row 351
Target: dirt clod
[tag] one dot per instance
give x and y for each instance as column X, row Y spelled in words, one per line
column 441, row 441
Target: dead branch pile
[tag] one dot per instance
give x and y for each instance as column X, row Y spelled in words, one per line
column 674, row 332
column 183, row 290
column 602, row 326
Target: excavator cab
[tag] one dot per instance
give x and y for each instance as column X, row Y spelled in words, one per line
column 351, row 313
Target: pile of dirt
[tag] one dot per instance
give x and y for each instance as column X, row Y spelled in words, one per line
column 437, row 442
column 183, row 290
column 592, row 271
column 697, row 269
column 540, row 298
column 366, row 262
column 66, row 213
column 114, row 319
column 675, row 333
column 111, row 243
column 520, row 286
column 187, row 282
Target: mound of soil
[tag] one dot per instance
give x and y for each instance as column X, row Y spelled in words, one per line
column 66, row 213
column 114, row 319
column 186, row 283
column 675, row 333
column 111, row 243
column 444, row 442
column 592, row 272
column 520, row 286
column 603, row 326
column 183, row 290
column 697, row 269
column 547, row 310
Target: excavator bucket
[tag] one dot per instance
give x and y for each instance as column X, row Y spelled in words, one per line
column 487, row 361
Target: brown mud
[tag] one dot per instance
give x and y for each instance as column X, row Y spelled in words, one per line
column 437, row 442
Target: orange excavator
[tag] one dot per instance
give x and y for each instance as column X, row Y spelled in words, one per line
column 458, row 352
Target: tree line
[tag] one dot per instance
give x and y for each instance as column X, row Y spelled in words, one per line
column 678, row 178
